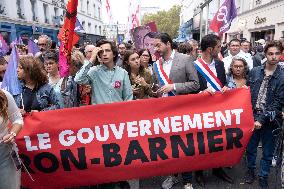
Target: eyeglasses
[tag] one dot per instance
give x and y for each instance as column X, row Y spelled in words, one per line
column 238, row 67
column 41, row 44
column 145, row 55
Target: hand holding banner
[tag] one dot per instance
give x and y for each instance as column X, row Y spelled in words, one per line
column 107, row 143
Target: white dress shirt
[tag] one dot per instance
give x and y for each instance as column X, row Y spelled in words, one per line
column 213, row 69
column 228, row 60
column 167, row 65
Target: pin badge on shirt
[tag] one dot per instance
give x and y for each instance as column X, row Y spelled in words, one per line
column 117, row 84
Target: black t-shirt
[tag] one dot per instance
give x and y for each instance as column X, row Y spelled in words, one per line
column 29, row 100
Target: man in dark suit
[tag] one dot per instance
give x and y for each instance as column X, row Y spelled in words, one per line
column 211, row 46
column 178, row 67
column 181, row 76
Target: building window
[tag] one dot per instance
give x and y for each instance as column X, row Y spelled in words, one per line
column 55, row 11
column 19, row 10
column 90, row 27
column 100, row 30
column 33, row 10
column 96, row 27
column 95, row 11
column 84, row 25
column 88, row 7
column 82, row 5
column 45, row 13
column 99, row 12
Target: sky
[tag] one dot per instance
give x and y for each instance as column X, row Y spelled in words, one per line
column 120, row 8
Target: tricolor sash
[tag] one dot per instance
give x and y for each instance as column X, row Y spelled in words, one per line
column 210, row 77
column 162, row 76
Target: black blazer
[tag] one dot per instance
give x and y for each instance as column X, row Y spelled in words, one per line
column 221, row 75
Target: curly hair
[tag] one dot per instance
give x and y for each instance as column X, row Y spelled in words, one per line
column 34, row 69
column 3, row 106
column 246, row 68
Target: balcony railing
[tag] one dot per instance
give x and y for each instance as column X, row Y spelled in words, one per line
column 258, row 2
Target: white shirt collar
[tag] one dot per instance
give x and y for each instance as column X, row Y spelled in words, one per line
column 171, row 57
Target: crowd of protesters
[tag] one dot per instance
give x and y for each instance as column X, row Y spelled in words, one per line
column 105, row 72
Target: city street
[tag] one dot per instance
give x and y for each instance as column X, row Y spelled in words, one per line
column 212, row 182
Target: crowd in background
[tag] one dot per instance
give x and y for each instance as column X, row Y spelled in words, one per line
column 105, row 72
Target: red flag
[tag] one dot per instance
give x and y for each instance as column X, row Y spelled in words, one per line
column 67, row 36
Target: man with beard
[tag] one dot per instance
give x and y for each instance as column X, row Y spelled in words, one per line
column 180, row 78
column 211, row 47
column 44, row 45
column 121, row 53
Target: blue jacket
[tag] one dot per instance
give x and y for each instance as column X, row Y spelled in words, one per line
column 45, row 96
column 274, row 96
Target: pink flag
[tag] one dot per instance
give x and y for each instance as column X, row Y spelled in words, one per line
column 63, row 63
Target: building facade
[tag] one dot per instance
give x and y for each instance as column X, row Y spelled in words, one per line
column 27, row 18
column 259, row 19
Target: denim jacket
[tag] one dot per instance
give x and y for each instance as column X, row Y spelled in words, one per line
column 274, row 96
column 45, row 96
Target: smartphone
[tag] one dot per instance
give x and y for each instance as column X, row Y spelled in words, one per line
column 16, row 160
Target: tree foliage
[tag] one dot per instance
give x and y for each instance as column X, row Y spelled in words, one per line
column 166, row 21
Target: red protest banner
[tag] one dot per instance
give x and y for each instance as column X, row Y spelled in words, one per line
column 137, row 139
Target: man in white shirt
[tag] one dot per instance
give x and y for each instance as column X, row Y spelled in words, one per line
column 235, row 51
column 180, row 70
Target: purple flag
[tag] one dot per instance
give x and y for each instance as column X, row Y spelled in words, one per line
column 224, row 17
column 10, row 81
column 32, row 47
column 20, row 41
column 4, row 48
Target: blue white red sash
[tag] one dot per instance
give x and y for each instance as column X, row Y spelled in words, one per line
column 210, row 77
column 162, row 76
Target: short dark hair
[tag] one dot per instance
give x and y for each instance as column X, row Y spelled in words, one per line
column 234, row 40
column 184, row 48
column 245, row 41
column 150, row 35
column 209, row 40
column 123, row 43
column 165, row 38
column 112, row 46
column 51, row 55
column 274, row 43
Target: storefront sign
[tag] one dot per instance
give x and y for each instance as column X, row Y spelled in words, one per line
column 259, row 20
